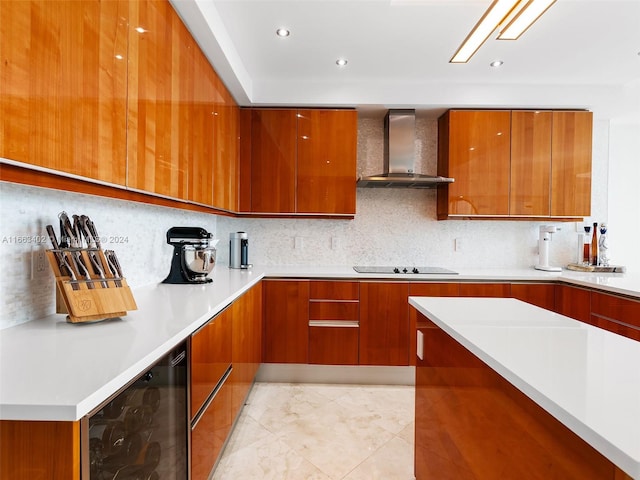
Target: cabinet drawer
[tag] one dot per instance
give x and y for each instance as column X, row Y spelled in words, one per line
column 210, row 358
column 334, row 290
column 501, row 290
column 615, row 327
column 333, row 310
column 329, row 345
column 210, row 432
column 617, row 308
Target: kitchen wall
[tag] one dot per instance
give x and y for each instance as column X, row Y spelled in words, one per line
column 392, row 226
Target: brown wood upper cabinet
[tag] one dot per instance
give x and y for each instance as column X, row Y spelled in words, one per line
column 301, row 161
column 515, row 164
column 63, row 95
column 473, row 148
column 171, row 101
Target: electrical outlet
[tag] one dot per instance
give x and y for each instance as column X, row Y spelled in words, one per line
column 458, row 244
column 39, row 267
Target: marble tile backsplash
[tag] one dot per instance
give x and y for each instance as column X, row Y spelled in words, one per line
column 137, row 233
column 392, row 226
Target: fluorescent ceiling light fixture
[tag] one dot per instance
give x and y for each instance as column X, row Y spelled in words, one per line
column 498, row 10
column 283, row 32
column 518, row 14
column 528, row 14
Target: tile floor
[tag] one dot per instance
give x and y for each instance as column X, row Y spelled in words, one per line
column 322, row 432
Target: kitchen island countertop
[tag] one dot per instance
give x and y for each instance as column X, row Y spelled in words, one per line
column 585, row 377
column 53, row 370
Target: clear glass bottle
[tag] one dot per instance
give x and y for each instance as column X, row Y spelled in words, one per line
column 594, row 245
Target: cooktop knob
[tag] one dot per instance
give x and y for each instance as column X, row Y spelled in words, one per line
column 404, row 270
column 415, row 270
column 395, row 270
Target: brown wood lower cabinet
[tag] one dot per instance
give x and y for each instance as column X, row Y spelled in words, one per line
column 334, row 332
column 501, row 290
column 246, row 344
column 286, row 321
column 210, row 432
column 473, row 424
column 384, row 323
column 39, row 450
column 539, row 294
column 574, row 302
column 225, row 356
column 210, row 357
column 616, row 314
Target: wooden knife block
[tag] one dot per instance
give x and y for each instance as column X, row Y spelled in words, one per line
column 90, row 300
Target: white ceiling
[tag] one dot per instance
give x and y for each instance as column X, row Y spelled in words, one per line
column 580, row 54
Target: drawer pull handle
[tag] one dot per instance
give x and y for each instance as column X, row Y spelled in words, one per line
column 334, row 323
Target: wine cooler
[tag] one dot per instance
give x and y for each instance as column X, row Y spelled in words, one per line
column 141, row 434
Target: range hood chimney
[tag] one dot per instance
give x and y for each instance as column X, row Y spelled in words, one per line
column 399, row 156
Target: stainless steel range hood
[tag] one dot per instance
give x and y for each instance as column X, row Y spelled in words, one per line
column 399, row 156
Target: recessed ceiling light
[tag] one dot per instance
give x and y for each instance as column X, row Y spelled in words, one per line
column 341, row 62
column 283, row 32
column 496, row 63
column 140, row 30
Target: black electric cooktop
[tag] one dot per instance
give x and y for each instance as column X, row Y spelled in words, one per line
column 404, row 270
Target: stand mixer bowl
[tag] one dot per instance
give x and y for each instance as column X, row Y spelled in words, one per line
column 199, row 261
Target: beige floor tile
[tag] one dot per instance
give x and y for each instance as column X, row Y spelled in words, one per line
column 408, row 433
column 322, row 432
column 392, row 461
column 266, row 459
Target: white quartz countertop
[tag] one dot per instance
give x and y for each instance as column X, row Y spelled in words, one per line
column 53, row 370
column 586, row 377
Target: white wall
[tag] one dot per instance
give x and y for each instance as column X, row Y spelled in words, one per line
column 391, row 226
column 624, row 192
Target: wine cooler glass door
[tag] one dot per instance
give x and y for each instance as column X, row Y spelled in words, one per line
column 141, row 434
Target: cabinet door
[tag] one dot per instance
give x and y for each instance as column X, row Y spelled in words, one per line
column 477, row 151
column 246, row 344
column 286, row 320
column 200, row 137
column 244, row 173
column 64, row 86
column 384, row 323
column 571, row 164
column 227, row 150
column 326, row 169
column 541, row 294
column 574, row 302
column 31, row 450
column 273, row 160
column 530, row 163
column 160, row 99
column 210, row 357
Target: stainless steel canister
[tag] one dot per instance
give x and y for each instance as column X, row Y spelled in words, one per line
column 239, row 250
